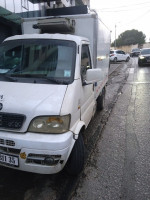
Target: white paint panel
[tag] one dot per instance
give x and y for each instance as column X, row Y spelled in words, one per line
column 32, row 100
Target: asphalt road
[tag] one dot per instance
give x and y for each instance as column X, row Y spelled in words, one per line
column 17, row 185
column 120, row 165
column 117, row 149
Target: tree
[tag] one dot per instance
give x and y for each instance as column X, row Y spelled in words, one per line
column 130, row 37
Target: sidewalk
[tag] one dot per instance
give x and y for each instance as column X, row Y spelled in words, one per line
column 120, row 166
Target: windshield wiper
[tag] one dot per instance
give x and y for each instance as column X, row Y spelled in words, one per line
column 39, row 76
column 58, row 81
column 24, row 75
column 7, row 78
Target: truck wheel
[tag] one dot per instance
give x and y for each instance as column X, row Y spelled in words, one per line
column 139, row 64
column 75, row 162
column 115, row 60
column 128, row 58
column 101, row 101
column 109, row 65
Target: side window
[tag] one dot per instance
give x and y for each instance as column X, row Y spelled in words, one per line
column 12, row 57
column 118, row 52
column 85, row 61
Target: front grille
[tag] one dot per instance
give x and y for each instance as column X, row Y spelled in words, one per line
column 7, row 142
column 11, row 121
column 10, row 143
column 2, row 141
column 10, row 150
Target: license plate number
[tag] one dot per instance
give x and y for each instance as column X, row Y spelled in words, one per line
column 8, row 159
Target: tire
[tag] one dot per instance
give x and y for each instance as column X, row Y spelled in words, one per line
column 127, row 60
column 101, row 101
column 140, row 65
column 75, row 162
column 115, row 60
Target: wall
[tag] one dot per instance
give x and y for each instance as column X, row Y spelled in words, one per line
column 18, row 6
column 86, row 2
column 147, row 45
column 4, row 32
column 128, row 49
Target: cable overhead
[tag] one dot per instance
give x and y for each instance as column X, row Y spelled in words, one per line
column 148, row 11
column 124, row 6
column 128, row 10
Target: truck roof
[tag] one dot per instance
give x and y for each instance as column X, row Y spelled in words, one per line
column 47, row 36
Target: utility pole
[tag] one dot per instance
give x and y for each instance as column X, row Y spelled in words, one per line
column 115, row 35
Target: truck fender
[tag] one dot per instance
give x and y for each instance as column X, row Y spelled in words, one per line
column 79, row 127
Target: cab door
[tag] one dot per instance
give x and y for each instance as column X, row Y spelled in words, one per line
column 87, row 91
column 119, row 55
column 124, row 56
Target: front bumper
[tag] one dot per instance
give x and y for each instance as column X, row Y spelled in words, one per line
column 111, row 58
column 32, row 150
column 145, row 61
column 135, row 54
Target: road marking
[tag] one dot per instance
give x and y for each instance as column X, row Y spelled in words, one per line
column 144, row 71
column 131, row 71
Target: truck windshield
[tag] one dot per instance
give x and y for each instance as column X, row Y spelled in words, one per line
column 38, row 60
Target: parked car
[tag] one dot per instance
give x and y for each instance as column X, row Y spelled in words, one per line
column 119, row 55
column 135, row 52
column 144, row 57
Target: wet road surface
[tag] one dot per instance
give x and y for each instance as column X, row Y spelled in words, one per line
column 120, row 166
column 111, row 148
column 17, row 185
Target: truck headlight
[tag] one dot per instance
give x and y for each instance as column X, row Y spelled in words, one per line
column 141, row 57
column 50, row 124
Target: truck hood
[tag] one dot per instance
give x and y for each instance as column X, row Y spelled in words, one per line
column 31, row 100
column 145, row 55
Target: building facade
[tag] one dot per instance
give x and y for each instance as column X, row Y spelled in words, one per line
column 11, row 12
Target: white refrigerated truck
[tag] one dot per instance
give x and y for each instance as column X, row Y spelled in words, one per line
column 51, row 84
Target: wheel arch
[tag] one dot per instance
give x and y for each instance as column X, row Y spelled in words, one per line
column 79, row 129
column 100, row 100
column 75, row 162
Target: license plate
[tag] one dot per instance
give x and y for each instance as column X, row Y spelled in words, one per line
column 148, row 60
column 9, row 160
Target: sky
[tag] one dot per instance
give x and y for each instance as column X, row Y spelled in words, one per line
column 124, row 15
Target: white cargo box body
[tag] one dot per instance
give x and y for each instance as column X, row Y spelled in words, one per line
column 88, row 26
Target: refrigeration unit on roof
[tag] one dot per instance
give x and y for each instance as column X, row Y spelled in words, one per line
column 55, row 25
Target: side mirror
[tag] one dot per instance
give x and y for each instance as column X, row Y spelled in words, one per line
column 92, row 76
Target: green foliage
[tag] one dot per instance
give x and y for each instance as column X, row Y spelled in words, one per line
column 130, row 37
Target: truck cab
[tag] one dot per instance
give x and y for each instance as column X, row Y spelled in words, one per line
column 48, row 96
